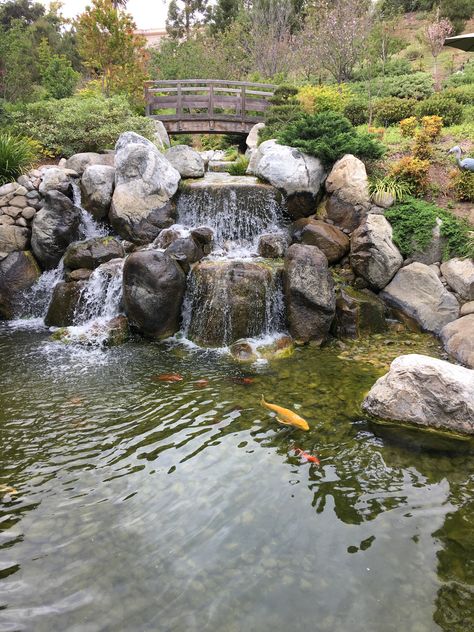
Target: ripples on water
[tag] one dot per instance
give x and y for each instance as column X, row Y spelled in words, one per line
column 143, row 505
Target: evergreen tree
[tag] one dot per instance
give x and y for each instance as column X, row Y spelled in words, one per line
column 183, row 15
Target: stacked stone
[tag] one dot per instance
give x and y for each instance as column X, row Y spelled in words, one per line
column 19, row 202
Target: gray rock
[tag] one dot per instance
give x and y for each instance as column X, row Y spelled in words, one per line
column 329, row 239
column 344, row 215
column 383, row 200
column 434, row 251
column 161, row 138
column 80, row 162
column 188, row 162
column 92, row 252
column 64, row 302
column 426, row 392
column 467, row 308
column 20, row 201
column 348, row 180
column 8, row 188
column 299, row 176
column 374, row 256
column 272, row 245
column 459, row 273
column 28, row 213
column 18, row 272
column 55, row 179
column 13, row 238
column 97, row 185
column 153, row 290
column 54, row 228
column 185, row 250
column 417, row 292
column 145, row 182
column 458, row 339
column 358, row 313
column 309, row 292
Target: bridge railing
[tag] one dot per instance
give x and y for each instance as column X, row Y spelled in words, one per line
column 207, row 100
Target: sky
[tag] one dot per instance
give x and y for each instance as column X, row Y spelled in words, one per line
column 148, row 14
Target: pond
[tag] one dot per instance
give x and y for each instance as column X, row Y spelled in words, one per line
column 139, row 504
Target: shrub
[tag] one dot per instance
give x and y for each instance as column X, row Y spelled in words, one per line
column 408, row 126
column 413, row 52
column 357, row 110
column 329, row 136
column 412, row 170
column 314, row 99
column 285, row 109
column 17, row 155
column 391, row 110
column 78, row 124
column 462, row 94
column 462, row 77
column 417, row 85
column 58, row 77
column 432, row 126
column 439, row 105
column 422, row 147
column 239, row 168
column 413, row 222
column 462, row 185
column 398, row 189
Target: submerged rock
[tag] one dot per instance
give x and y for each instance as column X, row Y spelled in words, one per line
column 186, row 160
column 54, row 228
column 64, row 303
column 458, row 339
column 459, row 274
column 92, row 252
column 309, row 293
column 329, row 239
column 145, row 182
column 374, row 256
column 299, row 176
column 426, row 392
column 243, row 351
column 417, row 291
column 18, row 272
column 97, row 186
column 358, row 313
column 153, row 290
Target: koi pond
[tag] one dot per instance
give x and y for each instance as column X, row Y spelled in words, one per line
column 130, row 503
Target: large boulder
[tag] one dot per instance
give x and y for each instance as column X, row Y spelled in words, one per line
column 358, row 313
column 459, row 274
column 55, row 179
column 64, row 302
column 349, row 188
column 55, row 226
column 153, row 290
column 299, row 176
column 18, row 272
column 97, row 185
column 417, row 292
column 187, row 161
column 309, row 292
column 145, row 182
column 314, row 232
column 13, row 238
column 230, row 300
column 374, row 256
column 80, row 162
column 458, row 339
column 434, row 250
column 425, row 392
column 92, row 253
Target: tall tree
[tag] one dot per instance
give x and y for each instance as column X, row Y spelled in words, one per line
column 436, row 32
column 110, row 48
column 223, row 14
column 183, row 16
column 23, row 11
column 271, row 36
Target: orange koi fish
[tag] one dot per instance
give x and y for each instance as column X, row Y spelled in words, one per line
column 306, row 456
column 286, row 416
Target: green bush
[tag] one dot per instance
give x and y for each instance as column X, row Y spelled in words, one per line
column 16, row 156
column 417, row 85
column 285, row 109
column 462, row 94
column 392, row 110
column 439, row 105
column 462, row 77
column 357, row 110
column 68, row 126
column 462, row 185
column 328, row 136
column 413, row 222
column 239, row 168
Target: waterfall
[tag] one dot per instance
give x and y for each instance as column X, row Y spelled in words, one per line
column 89, row 227
column 35, row 301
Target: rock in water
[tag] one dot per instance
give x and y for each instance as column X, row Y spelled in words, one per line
column 187, row 161
column 92, row 252
column 97, row 186
column 153, row 290
column 299, row 176
column 358, row 313
column 374, row 256
column 18, row 272
column 417, row 291
column 64, row 303
column 458, row 339
column 55, row 226
column 426, row 392
column 309, row 292
column 145, row 182
column 459, row 273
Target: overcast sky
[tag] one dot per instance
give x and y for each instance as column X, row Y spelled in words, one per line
column 148, row 14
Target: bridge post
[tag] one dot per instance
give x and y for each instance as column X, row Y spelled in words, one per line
column 243, row 104
column 179, row 104
column 210, row 107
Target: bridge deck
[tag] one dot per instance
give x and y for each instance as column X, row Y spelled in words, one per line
column 209, row 106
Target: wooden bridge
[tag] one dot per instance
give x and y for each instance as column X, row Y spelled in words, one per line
column 212, row 106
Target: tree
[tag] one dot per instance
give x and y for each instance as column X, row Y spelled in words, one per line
column 23, row 11
column 457, row 12
column 111, row 49
column 183, row 16
column 436, row 32
column 223, row 14
column 57, row 75
column 271, row 40
column 17, row 63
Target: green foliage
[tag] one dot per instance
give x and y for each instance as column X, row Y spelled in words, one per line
column 77, row 124
column 462, row 94
column 392, row 110
column 314, row 99
column 398, row 189
column 462, row 185
column 17, row 63
column 357, row 110
column 57, row 74
column 439, row 105
column 413, row 171
column 417, row 85
column 239, row 167
column 329, row 136
column 17, row 155
column 285, row 109
column 457, row 12
column 413, row 222
column 462, row 77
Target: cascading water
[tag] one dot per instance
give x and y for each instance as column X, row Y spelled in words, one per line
column 89, row 227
